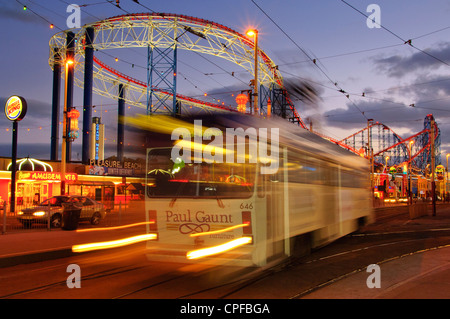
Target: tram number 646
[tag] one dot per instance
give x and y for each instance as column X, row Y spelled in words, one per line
column 246, row 206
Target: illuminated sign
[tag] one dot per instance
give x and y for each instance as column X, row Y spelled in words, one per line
column 96, row 150
column 115, row 164
column 97, row 139
column 46, row 176
column 15, row 108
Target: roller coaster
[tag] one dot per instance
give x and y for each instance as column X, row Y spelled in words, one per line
column 390, row 149
column 162, row 34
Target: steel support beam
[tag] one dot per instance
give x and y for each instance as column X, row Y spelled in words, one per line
column 56, row 96
column 161, row 76
column 70, row 55
column 120, row 125
column 87, row 97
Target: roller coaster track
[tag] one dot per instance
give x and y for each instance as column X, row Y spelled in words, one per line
column 385, row 142
column 163, row 30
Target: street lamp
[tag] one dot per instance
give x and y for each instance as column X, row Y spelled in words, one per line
column 410, row 172
column 64, row 137
column 254, row 33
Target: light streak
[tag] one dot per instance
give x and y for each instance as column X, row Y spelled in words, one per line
column 115, row 227
column 200, row 253
column 113, row 243
column 203, row 147
column 218, row 231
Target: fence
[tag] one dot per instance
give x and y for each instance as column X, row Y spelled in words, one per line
column 48, row 215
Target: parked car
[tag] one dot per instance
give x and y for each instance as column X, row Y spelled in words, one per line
column 91, row 211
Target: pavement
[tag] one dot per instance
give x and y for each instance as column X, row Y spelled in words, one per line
column 418, row 275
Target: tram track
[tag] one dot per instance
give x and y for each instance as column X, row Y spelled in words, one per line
column 325, row 266
column 237, row 288
column 92, row 276
column 407, row 248
column 347, row 270
column 355, row 271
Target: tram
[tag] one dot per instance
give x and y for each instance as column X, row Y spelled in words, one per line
column 212, row 202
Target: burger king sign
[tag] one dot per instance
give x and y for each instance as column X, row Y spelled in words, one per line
column 15, row 108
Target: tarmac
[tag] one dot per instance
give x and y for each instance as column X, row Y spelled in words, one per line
column 423, row 274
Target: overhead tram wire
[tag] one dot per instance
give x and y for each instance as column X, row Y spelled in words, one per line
column 409, row 41
column 85, row 11
column 366, row 50
column 430, row 33
column 47, row 9
column 37, row 14
column 314, row 61
column 343, row 54
column 364, row 94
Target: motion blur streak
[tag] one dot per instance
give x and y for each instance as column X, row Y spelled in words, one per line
column 160, row 123
column 207, row 149
column 218, row 231
column 113, row 243
column 195, row 254
column 116, row 227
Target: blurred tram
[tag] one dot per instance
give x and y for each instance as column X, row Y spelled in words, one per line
column 301, row 192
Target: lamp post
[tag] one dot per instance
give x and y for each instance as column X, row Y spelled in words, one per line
column 370, row 155
column 387, row 177
column 410, row 172
column 254, row 33
column 433, row 168
column 64, row 137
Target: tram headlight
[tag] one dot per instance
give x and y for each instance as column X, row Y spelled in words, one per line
column 20, row 213
column 39, row 214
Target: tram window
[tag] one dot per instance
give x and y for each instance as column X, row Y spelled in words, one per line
column 352, row 179
column 166, row 178
column 329, row 175
column 300, row 169
column 306, row 169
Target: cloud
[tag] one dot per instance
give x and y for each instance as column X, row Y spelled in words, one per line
column 34, row 150
column 428, row 88
column 398, row 66
column 38, row 113
column 397, row 116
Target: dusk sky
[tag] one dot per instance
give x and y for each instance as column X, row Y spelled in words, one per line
column 392, row 74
